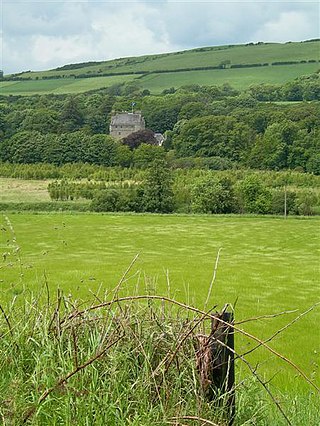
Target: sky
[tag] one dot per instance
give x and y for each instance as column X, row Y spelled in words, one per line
column 40, row 35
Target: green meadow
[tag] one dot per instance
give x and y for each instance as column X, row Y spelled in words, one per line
column 267, row 265
column 206, row 56
column 166, row 70
column 239, row 78
column 20, row 191
column 60, row 85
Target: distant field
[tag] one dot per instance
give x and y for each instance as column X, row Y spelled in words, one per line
column 239, row 78
column 59, row 86
column 268, row 265
column 208, row 56
column 19, row 191
column 156, row 82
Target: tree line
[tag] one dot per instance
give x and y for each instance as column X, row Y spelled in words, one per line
column 160, row 190
column 211, row 127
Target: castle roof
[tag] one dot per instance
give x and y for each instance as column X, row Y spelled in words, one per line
column 126, row 118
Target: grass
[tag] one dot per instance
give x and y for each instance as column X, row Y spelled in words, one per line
column 238, row 78
column 19, row 190
column 59, row 86
column 268, row 265
column 130, row 366
column 211, row 56
column 157, row 82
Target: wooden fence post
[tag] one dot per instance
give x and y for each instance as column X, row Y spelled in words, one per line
column 222, row 371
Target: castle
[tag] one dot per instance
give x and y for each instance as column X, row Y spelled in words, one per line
column 124, row 123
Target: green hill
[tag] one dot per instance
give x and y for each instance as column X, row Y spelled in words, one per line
column 239, row 65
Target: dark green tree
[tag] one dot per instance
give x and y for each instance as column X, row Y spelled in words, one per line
column 253, row 196
column 214, row 136
column 146, row 154
column 212, row 195
column 23, row 147
column 100, row 149
column 72, row 115
column 157, row 194
column 41, row 120
column 272, row 149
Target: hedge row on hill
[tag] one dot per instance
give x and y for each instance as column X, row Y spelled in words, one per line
column 90, row 74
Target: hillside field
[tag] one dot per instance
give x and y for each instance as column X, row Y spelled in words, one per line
column 201, row 57
column 238, row 78
column 268, row 265
column 159, row 72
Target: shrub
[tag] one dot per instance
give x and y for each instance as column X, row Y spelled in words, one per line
column 278, row 202
column 211, row 195
column 115, row 200
column 106, row 201
column 157, row 196
column 307, row 203
column 253, row 196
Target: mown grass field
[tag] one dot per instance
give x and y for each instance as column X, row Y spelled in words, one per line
column 267, row 265
column 19, row 190
column 239, row 78
column 208, row 56
column 60, row 85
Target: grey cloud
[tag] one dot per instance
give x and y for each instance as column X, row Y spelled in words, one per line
column 44, row 34
column 217, row 23
column 25, row 19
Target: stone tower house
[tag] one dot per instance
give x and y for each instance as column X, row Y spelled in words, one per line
column 125, row 123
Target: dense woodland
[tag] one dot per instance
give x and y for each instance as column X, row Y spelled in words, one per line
column 206, row 128
column 214, row 127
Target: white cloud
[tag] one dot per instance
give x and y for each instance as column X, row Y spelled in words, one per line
column 42, row 34
column 49, row 49
column 288, row 26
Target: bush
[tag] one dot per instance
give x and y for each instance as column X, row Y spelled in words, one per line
column 211, row 195
column 53, row 206
column 106, row 201
column 115, row 200
column 253, row 196
column 307, row 203
column 278, row 202
column 157, row 195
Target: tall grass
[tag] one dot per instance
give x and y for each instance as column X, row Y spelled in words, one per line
column 132, row 363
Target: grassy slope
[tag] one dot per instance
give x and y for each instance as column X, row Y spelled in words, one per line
column 58, row 86
column 80, row 253
column 240, row 78
column 238, row 54
column 156, row 83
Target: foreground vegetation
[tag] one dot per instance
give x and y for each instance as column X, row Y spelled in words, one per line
column 269, row 264
column 133, row 363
